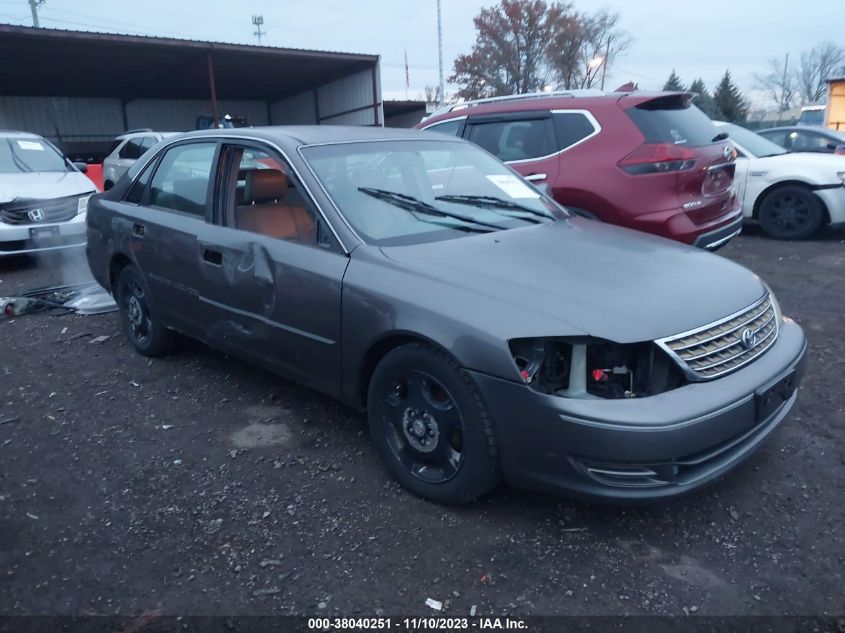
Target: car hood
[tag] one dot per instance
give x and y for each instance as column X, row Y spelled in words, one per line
column 578, row 276
column 43, row 185
column 824, row 166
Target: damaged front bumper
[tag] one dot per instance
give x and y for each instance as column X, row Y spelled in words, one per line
column 24, row 239
column 643, row 449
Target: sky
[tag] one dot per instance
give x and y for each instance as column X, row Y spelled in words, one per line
column 697, row 39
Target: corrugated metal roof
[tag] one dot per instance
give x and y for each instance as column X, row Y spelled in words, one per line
column 13, row 28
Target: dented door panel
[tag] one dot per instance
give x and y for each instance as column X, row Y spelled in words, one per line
column 276, row 302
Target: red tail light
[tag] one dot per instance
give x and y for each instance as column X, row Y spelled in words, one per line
column 656, row 158
column 840, row 150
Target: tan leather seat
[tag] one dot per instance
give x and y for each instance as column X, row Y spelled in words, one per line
column 265, row 213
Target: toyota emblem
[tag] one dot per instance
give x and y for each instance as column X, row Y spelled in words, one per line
column 749, row 338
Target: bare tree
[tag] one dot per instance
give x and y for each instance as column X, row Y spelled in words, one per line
column 780, row 82
column 601, row 41
column 817, row 66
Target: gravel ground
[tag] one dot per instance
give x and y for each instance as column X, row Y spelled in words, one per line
column 197, row 484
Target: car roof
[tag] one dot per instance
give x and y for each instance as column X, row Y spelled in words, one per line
column 805, row 128
column 18, row 134
column 537, row 101
column 137, row 133
column 320, row 134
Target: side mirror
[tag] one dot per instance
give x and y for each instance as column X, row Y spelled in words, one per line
column 83, row 167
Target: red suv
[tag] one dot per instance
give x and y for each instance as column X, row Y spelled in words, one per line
column 650, row 161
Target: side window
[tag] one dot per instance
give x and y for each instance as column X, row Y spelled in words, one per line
column 181, row 181
column 571, row 128
column 264, row 196
column 514, row 140
column 131, row 150
column 452, row 128
column 778, row 137
column 147, row 143
column 809, row 142
column 136, row 191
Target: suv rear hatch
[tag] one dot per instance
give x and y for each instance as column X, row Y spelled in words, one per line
column 684, row 147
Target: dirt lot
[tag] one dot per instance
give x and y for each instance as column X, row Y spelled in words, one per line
column 200, row 485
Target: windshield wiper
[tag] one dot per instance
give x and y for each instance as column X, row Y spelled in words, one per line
column 415, row 205
column 493, row 202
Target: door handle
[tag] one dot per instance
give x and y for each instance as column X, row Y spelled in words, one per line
column 210, row 256
column 535, row 177
column 138, row 230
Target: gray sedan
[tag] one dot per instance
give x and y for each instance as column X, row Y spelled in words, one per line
column 488, row 333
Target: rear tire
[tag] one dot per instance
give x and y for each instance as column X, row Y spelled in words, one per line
column 430, row 427
column 138, row 314
column 791, row 212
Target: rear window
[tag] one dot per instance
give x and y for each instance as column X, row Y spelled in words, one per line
column 671, row 121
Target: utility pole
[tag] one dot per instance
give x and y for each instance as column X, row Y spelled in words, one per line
column 258, row 21
column 34, row 4
column 440, row 53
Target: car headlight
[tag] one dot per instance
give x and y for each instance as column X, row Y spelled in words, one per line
column 841, row 175
column 779, row 316
column 586, row 367
column 82, row 204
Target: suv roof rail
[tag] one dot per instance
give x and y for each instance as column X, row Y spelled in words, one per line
column 581, row 92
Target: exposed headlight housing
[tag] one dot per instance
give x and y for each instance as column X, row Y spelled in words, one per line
column 594, row 368
column 82, row 204
column 779, row 316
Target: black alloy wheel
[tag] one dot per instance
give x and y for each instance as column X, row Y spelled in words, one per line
column 430, row 427
column 791, row 213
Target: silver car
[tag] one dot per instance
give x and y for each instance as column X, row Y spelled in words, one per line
column 126, row 149
column 43, row 196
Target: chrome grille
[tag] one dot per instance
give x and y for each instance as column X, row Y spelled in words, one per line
column 55, row 210
column 721, row 347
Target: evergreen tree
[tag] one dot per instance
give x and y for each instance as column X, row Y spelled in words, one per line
column 705, row 100
column 729, row 100
column 674, row 83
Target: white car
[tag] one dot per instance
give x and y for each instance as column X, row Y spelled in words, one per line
column 126, row 149
column 791, row 196
column 43, row 196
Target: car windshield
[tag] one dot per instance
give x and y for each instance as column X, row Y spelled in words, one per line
column 408, row 192
column 20, row 154
column 752, row 142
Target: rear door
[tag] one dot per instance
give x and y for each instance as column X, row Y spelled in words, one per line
column 525, row 140
column 174, row 205
column 271, row 271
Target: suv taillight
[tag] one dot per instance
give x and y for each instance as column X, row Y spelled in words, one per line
column 657, row 158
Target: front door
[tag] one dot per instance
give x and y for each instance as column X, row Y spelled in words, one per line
column 271, row 272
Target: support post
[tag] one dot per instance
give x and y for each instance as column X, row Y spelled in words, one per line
column 213, row 87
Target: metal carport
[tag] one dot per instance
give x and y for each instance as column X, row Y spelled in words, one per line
column 80, row 89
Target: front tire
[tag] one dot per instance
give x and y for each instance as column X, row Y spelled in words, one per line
column 792, row 212
column 430, row 427
column 141, row 323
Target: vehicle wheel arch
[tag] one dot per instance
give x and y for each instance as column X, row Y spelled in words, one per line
column 118, row 262
column 786, row 183
column 383, row 346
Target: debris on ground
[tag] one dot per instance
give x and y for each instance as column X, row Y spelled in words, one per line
column 9, row 420
column 434, row 604
column 472, row 611
column 83, row 298
column 99, row 339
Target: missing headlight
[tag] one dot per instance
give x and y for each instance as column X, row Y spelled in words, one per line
column 594, row 368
